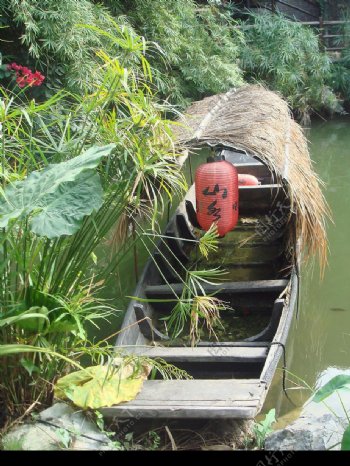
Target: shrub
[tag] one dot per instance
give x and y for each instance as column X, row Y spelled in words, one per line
column 340, row 76
column 200, row 45
column 285, row 55
column 47, row 33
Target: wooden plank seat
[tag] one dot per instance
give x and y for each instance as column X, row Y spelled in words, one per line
column 260, row 199
column 204, row 354
column 258, row 286
column 204, row 399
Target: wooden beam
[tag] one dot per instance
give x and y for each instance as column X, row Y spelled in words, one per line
column 258, row 199
column 181, row 354
column 258, row 286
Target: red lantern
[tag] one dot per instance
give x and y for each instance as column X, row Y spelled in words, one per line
column 247, row 180
column 217, row 196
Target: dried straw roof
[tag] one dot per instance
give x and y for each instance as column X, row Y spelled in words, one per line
column 259, row 122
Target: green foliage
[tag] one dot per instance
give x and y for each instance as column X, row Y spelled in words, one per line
column 52, row 222
column 339, row 382
column 194, row 48
column 200, row 44
column 49, row 32
column 340, row 80
column 345, row 444
column 264, row 428
column 209, row 241
column 152, row 441
column 336, row 383
column 286, row 57
column 65, row 437
column 57, row 198
column 195, row 307
column 340, row 77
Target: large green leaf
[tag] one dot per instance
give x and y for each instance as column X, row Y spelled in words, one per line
column 336, row 383
column 58, row 197
column 62, row 212
column 99, row 386
column 345, row 443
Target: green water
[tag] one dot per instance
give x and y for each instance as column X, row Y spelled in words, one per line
column 320, row 337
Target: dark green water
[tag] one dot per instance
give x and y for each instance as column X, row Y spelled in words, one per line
column 320, row 337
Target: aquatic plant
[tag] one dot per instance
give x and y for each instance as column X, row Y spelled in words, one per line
column 263, row 428
column 193, row 309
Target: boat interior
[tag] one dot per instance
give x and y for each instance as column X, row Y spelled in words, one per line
column 255, row 286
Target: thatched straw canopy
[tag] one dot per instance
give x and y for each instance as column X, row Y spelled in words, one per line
column 259, row 122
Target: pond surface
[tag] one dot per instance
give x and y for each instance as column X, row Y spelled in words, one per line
column 320, row 337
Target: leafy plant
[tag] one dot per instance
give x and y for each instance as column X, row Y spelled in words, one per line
column 340, row 76
column 285, row 56
column 57, row 198
column 195, row 307
column 65, row 437
column 66, row 55
column 345, row 443
column 61, row 196
column 263, row 428
column 99, row 386
column 209, row 241
column 118, row 381
column 153, row 440
column 200, row 45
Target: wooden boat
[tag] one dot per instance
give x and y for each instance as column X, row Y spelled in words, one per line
column 231, row 377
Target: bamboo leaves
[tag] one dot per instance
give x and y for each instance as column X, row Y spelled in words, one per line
column 58, row 197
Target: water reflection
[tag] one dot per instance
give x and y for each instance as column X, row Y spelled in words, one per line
column 321, row 336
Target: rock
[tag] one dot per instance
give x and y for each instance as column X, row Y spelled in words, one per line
column 56, row 428
column 319, row 427
column 307, row 433
column 31, row 437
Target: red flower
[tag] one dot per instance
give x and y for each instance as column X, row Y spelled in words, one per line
column 25, row 76
column 20, row 81
column 13, row 66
